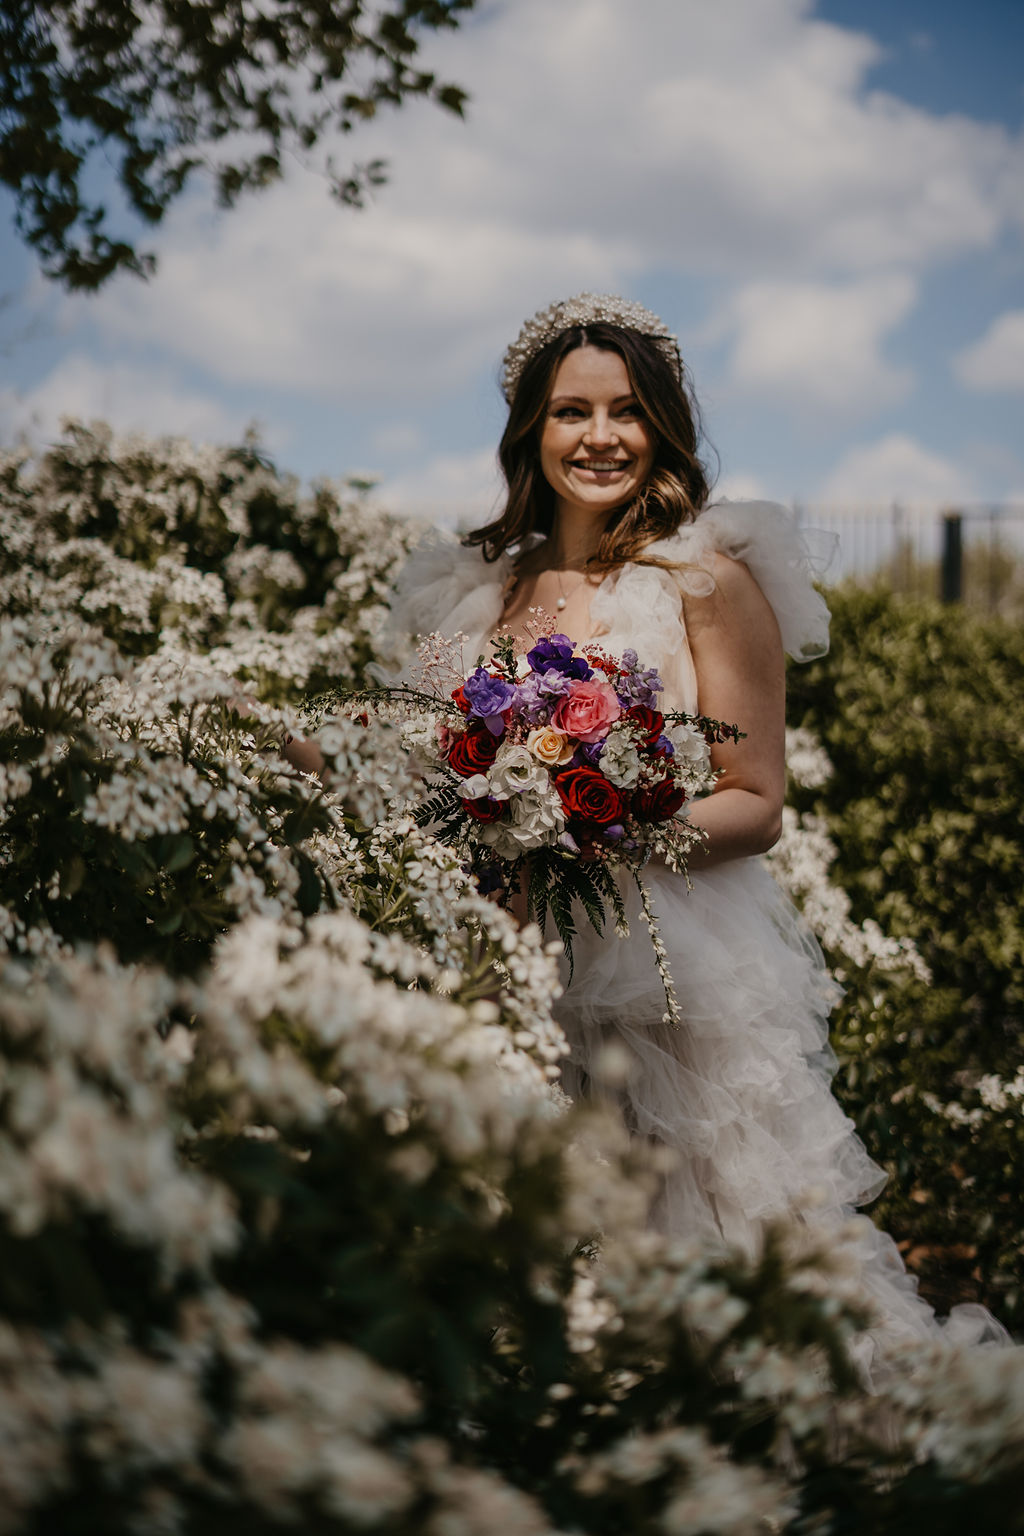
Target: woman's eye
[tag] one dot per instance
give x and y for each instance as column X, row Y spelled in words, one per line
column 566, row 412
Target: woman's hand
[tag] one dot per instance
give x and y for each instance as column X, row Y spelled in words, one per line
column 296, row 750
column 740, row 667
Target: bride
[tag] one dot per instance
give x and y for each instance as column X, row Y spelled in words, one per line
column 608, row 526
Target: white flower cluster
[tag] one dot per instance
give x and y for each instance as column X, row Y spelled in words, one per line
column 121, row 534
column 1000, row 1102
column 86, row 1125
column 620, row 760
column 800, row 862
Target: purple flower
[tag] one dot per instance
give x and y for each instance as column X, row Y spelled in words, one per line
column 489, row 879
column 588, row 754
column 641, row 688
column 488, row 698
column 537, row 693
column 639, row 685
column 664, row 745
column 555, row 655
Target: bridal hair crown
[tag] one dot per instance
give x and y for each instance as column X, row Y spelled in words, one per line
column 584, row 309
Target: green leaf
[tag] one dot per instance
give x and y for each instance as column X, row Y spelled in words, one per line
column 310, row 893
column 583, row 880
column 170, row 921
column 72, row 876
column 561, row 912
column 181, row 852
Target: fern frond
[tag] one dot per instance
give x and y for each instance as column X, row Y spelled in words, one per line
column 441, row 806
column 541, row 874
column 583, row 881
column 561, row 912
column 611, row 889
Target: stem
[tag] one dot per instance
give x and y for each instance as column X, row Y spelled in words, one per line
column 673, row 1013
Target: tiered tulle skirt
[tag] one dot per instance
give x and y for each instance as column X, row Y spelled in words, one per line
column 740, row 1094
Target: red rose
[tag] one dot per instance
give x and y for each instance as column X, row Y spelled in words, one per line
column 459, row 695
column 472, row 752
column 649, row 720
column 657, row 802
column 485, row 809
column 588, row 797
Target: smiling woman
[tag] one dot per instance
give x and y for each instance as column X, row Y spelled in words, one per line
column 607, row 524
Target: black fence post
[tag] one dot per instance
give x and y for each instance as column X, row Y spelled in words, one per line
column 952, row 576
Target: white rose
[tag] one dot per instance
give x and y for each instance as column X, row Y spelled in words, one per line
column 514, row 771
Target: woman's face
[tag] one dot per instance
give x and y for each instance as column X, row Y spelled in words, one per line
column 596, row 445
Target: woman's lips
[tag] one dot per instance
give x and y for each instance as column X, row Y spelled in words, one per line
column 600, row 466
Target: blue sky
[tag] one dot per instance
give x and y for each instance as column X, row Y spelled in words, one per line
column 826, row 201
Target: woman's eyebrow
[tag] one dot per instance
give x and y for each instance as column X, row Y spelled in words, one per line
column 583, row 399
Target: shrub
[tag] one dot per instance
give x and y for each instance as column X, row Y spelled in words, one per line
column 920, row 710
column 297, row 1229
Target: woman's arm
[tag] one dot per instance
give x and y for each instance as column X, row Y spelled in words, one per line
column 738, row 658
column 303, row 755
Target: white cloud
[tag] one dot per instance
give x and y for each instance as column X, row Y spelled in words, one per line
column 895, row 468
column 732, row 141
column 721, row 135
column 357, row 306
column 740, row 486
column 818, row 343
column 996, row 361
column 454, row 490
column 129, row 397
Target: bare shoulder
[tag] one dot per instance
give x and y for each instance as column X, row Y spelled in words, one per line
column 735, row 601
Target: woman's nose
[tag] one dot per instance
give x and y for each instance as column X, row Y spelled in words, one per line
column 599, row 429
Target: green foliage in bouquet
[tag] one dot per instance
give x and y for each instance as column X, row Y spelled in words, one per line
column 921, row 711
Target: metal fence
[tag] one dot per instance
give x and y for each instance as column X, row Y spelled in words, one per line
column 971, row 554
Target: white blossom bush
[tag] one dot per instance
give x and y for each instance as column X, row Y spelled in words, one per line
column 170, row 547
column 303, row 1243
column 297, row 1230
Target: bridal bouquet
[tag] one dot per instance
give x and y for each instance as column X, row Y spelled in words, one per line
column 556, row 767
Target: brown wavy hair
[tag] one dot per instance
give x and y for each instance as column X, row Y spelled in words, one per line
column 676, row 489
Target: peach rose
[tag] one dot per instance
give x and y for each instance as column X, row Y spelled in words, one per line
column 587, row 711
column 549, row 747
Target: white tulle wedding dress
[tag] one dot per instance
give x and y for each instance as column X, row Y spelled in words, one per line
column 742, row 1092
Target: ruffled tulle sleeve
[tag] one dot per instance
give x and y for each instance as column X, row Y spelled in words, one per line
column 784, row 560
column 446, row 588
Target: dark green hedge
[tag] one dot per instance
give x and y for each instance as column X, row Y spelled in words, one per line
column 921, row 709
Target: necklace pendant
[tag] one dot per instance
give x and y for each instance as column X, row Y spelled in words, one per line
column 560, row 604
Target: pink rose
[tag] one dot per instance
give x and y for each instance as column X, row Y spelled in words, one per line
column 587, row 711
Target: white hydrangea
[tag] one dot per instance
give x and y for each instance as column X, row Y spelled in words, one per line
column 537, row 818
column 620, row 760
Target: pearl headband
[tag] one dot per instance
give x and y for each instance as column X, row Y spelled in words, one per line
column 584, row 309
